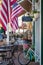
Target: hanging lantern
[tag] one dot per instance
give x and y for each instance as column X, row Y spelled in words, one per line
column 35, row 15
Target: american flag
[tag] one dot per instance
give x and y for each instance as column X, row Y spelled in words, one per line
column 16, row 9
column 14, row 23
column 4, row 16
column 4, row 13
column 12, row 2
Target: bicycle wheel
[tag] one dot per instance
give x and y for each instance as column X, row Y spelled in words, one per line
column 22, row 60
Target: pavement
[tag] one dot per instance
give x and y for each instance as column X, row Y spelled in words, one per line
column 17, row 63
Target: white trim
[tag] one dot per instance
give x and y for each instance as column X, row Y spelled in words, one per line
column 40, row 32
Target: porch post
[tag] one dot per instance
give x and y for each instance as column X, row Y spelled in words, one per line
column 41, row 32
column 33, row 8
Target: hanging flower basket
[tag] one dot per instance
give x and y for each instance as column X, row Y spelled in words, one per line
column 35, row 11
column 35, row 14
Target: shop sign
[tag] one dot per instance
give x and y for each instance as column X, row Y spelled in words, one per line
column 27, row 19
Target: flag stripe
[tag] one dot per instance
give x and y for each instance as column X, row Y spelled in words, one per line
column 14, row 23
column 4, row 17
column 14, row 5
column 3, row 20
column 5, row 11
column 16, row 13
column 3, row 23
column 12, row 2
column 16, row 9
column 4, row 14
column 5, row 4
column 13, row 27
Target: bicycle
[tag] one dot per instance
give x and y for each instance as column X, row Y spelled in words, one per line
column 25, row 57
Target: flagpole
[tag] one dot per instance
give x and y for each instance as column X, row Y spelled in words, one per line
column 8, row 23
column 7, row 33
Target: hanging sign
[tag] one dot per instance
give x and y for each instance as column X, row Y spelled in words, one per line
column 27, row 19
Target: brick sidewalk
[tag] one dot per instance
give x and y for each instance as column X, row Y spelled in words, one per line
column 17, row 63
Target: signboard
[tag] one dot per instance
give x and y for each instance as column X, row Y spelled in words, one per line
column 27, row 19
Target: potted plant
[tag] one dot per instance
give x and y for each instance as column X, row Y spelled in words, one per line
column 35, row 13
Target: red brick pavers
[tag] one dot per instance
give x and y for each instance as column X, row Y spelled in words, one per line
column 17, row 63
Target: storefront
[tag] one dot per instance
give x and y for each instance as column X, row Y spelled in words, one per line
column 34, row 27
